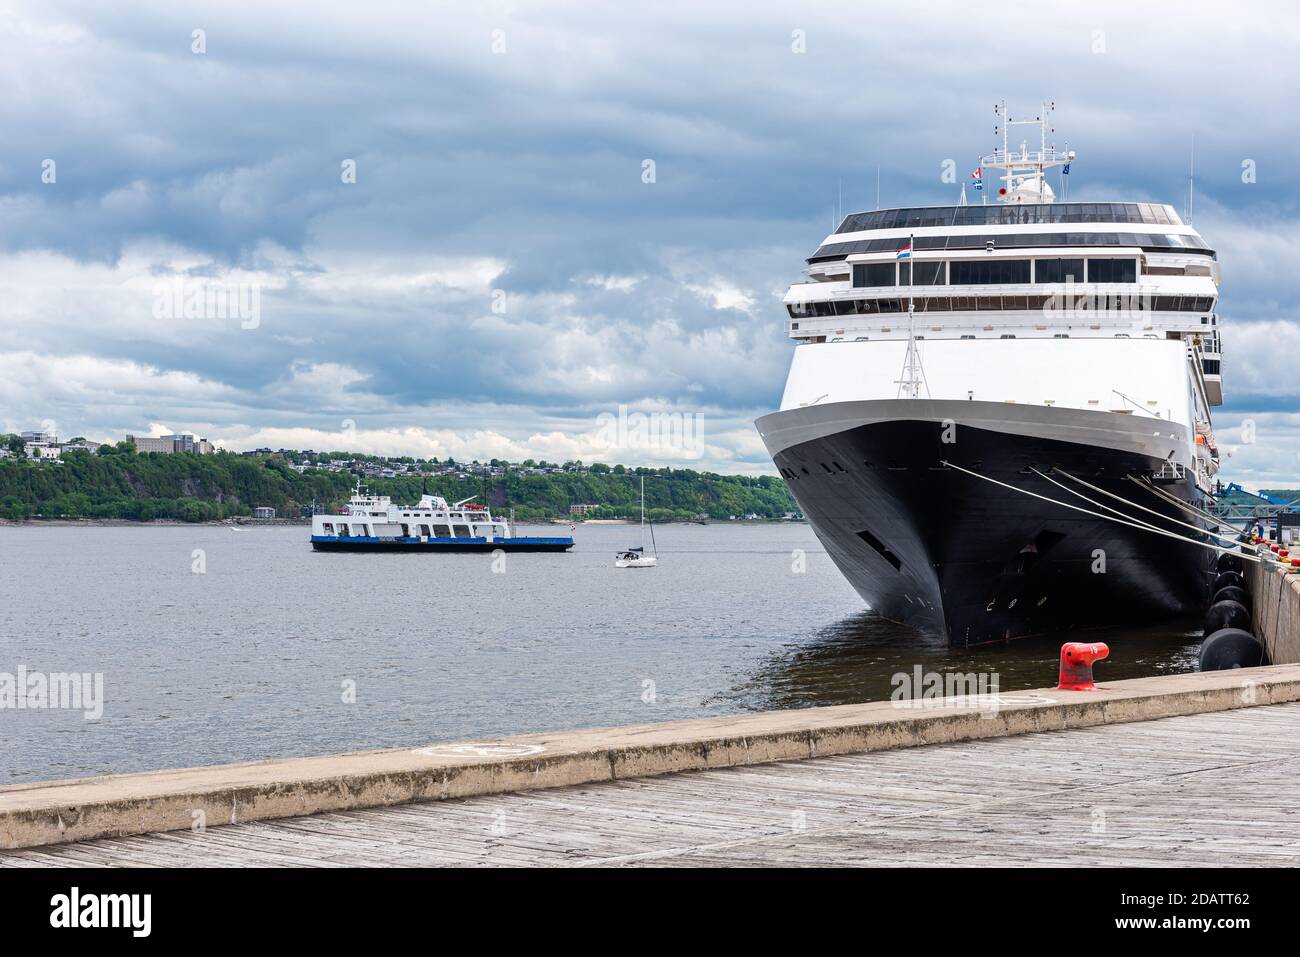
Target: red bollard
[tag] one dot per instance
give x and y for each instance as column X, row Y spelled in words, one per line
column 1076, row 665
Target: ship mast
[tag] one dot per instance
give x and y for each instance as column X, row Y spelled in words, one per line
column 913, row 378
column 1025, row 172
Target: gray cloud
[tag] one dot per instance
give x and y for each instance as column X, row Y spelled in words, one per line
column 520, row 172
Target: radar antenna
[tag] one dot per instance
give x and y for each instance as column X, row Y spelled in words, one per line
column 1025, row 171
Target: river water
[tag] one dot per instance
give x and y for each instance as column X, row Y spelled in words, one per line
column 217, row 645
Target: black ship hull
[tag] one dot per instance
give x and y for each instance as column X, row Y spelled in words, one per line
column 956, row 555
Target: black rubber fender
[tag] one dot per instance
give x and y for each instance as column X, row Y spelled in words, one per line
column 1227, row 614
column 1229, row 562
column 1232, row 648
column 1233, row 593
column 1224, row 579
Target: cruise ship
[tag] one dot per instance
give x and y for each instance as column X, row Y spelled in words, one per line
column 997, row 415
column 372, row 523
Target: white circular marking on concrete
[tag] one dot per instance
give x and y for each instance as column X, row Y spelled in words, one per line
column 984, row 702
column 1014, row 699
column 480, row 750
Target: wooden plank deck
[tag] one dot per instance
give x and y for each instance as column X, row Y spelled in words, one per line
column 1210, row 789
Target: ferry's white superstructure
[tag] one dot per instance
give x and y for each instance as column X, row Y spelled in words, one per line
column 1005, row 341
column 373, row 523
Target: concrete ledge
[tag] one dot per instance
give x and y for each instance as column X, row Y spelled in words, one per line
column 1275, row 597
column 60, row 811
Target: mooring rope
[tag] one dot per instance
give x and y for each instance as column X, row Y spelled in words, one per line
column 1109, row 518
column 1144, row 482
column 1143, row 523
column 1076, row 494
column 1120, row 498
column 1154, row 489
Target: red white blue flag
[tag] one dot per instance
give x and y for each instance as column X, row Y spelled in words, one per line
column 904, row 253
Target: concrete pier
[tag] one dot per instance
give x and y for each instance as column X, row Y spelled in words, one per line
column 1274, row 589
column 205, row 798
column 1210, row 789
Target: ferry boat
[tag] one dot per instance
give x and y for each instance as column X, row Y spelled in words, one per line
column 997, row 417
column 372, row 523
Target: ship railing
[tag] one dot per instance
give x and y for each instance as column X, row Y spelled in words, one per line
column 1170, row 472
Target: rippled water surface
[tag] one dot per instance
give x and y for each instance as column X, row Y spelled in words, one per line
column 251, row 658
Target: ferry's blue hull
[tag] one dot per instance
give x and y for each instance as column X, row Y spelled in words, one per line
column 333, row 543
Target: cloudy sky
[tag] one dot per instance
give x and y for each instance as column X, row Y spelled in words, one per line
column 499, row 274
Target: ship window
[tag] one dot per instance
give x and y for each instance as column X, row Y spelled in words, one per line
column 1148, row 213
column 873, row 274
column 328, row 528
column 1157, row 242
column 925, row 273
column 812, row 309
column 978, row 272
column 1058, row 270
column 1112, row 270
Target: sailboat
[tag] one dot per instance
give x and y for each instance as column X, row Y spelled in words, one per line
column 636, row 557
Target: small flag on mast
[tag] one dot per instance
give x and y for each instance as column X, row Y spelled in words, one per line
column 978, row 176
column 905, row 252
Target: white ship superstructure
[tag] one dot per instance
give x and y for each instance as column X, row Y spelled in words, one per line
column 1008, row 338
column 371, row 522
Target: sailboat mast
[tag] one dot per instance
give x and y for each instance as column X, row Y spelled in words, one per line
column 642, row 514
